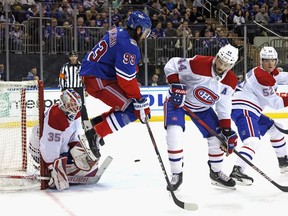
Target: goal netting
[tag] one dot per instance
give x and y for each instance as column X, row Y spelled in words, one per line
column 21, row 108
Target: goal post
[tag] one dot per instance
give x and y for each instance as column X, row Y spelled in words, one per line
column 21, row 110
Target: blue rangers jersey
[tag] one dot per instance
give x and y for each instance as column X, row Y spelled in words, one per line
column 117, row 54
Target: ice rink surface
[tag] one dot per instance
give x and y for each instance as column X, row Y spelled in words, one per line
column 131, row 188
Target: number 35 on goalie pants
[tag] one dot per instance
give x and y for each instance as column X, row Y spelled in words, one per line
column 83, row 142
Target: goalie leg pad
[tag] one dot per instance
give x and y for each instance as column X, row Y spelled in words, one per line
column 59, row 177
column 80, row 157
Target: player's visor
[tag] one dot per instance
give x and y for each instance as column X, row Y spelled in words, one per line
column 145, row 32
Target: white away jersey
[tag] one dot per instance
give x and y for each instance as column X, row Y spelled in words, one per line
column 259, row 91
column 204, row 87
column 58, row 132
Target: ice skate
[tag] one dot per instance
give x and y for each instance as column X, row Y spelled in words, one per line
column 176, row 181
column 95, row 121
column 283, row 164
column 94, row 142
column 240, row 177
column 221, row 179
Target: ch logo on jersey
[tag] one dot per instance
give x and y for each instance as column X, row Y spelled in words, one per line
column 205, row 95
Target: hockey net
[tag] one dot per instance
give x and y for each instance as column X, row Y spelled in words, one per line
column 21, row 108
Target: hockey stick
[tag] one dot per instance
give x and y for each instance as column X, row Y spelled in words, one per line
column 71, row 179
column 183, row 205
column 282, row 188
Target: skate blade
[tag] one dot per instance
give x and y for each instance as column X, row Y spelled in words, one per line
column 243, row 182
column 223, row 186
column 284, row 170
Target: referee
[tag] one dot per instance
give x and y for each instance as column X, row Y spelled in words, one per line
column 69, row 79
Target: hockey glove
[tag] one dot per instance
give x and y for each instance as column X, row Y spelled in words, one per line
column 59, row 177
column 142, row 109
column 230, row 137
column 177, row 93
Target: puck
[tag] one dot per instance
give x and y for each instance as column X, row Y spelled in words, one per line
column 137, row 160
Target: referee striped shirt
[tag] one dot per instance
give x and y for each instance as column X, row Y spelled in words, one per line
column 69, row 76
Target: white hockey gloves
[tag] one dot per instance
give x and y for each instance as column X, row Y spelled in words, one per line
column 59, row 177
column 177, row 93
column 142, row 109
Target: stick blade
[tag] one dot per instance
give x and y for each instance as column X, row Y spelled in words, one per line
column 190, row 206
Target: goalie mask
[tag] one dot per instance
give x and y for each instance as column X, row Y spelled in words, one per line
column 70, row 103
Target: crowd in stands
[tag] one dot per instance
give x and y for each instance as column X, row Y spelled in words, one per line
column 170, row 19
column 187, row 20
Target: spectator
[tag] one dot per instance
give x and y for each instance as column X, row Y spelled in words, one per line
column 170, row 35
column 66, row 6
column 52, row 36
column 209, row 43
column 248, row 18
column 17, row 37
column 32, row 74
column 196, row 16
column 221, row 37
column 158, row 31
column 116, row 17
column 94, row 32
column 91, row 13
column 255, row 10
column 285, row 16
column 82, row 13
column 262, row 17
column 2, row 73
column 184, row 32
column 82, row 34
column 180, row 6
column 66, row 38
column 89, row 3
column 239, row 19
column 275, row 16
column 69, row 79
column 154, row 80
column 154, row 20
column 197, row 44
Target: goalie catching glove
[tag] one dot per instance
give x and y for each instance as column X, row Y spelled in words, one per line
column 142, row 109
column 59, row 177
column 230, row 137
column 177, row 93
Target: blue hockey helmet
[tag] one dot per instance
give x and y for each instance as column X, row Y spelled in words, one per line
column 139, row 18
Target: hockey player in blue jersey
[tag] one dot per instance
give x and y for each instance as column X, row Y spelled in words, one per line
column 109, row 74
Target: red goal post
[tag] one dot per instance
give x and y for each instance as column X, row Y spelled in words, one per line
column 21, row 110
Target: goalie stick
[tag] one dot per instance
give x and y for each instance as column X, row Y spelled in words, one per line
column 71, row 179
column 281, row 187
column 179, row 203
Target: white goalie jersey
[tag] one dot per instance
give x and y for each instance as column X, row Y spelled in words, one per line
column 58, row 132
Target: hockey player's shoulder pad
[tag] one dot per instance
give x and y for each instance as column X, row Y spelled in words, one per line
column 201, row 65
column 230, row 79
column 57, row 119
column 264, row 78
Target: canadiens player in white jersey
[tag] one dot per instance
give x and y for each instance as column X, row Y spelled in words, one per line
column 59, row 145
column 202, row 84
column 109, row 74
column 256, row 92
